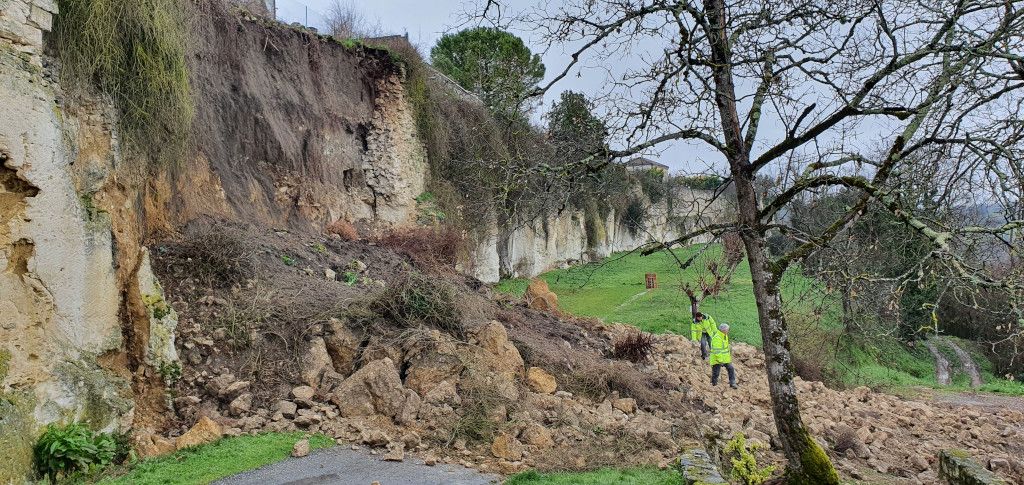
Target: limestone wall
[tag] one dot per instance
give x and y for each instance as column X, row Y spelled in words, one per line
column 59, row 291
column 531, row 248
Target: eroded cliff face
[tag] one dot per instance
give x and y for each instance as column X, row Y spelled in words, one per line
column 292, row 130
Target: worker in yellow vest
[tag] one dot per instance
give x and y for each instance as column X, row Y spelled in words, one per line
column 700, row 331
column 721, row 355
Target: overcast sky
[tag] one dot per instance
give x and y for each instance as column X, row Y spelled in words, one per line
column 426, row 21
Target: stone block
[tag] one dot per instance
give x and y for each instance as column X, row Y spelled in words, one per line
column 48, row 5
column 697, row 468
column 957, row 468
column 41, row 18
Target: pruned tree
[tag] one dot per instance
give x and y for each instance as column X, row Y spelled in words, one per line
column 855, row 94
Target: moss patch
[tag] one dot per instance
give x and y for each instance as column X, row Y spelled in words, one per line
column 103, row 393
column 17, row 432
column 5, row 364
column 816, row 468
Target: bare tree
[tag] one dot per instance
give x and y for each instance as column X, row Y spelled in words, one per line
column 851, row 92
column 345, row 21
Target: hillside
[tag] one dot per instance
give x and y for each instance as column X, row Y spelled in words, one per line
column 613, row 290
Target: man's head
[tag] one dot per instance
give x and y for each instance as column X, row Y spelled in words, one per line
column 724, row 328
column 699, row 316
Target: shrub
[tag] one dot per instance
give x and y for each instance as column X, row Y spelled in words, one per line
column 481, row 401
column 64, row 450
column 636, row 347
column 744, row 464
column 432, row 248
column 700, row 182
column 652, row 183
column 218, row 257
column 135, row 53
column 418, row 300
column 846, row 440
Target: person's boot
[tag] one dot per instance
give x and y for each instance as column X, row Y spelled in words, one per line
column 734, row 385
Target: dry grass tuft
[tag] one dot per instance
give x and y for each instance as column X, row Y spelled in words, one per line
column 218, row 257
column 416, row 300
column 433, row 248
column 344, row 229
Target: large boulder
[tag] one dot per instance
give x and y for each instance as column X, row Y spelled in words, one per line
column 539, row 297
column 315, row 362
column 376, row 388
column 493, row 338
column 507, row 447
column 957, row 468
column 204, row 431
column 151, row 445
column 431, row 361
column 540, row 381
column 343, row 346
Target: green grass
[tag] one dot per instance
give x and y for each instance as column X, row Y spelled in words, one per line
column 635, row 476
column 613, row 290
column 214, row 461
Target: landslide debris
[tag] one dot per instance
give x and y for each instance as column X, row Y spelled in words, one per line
column 302, row 344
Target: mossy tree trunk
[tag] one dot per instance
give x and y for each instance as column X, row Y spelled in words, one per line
column 807, row 462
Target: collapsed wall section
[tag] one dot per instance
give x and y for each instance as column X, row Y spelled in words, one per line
column 292, row 129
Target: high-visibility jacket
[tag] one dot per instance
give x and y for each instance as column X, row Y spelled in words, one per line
column 720, row 351
column 704, row 326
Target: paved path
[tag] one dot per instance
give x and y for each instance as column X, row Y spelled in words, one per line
column 941, row 364
column 344, row 466
column 967, row 362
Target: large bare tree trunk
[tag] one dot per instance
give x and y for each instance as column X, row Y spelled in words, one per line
column 808, row 463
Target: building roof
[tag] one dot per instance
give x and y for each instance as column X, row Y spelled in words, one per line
column 645, row 162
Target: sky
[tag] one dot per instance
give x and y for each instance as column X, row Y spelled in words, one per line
column 426, row 20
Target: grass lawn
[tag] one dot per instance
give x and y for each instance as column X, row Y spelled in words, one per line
column 635, row 476
column 613, row 290
column 207, row 463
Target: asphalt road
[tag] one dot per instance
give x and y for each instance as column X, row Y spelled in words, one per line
column 344, row 466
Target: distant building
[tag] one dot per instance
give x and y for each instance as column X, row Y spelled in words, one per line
column 641, row 164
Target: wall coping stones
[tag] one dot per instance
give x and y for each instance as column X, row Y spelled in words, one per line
column 697, row 468
column 957, row 468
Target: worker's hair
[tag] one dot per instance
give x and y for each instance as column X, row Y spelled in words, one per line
column 699, row 316
column 723, row 327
